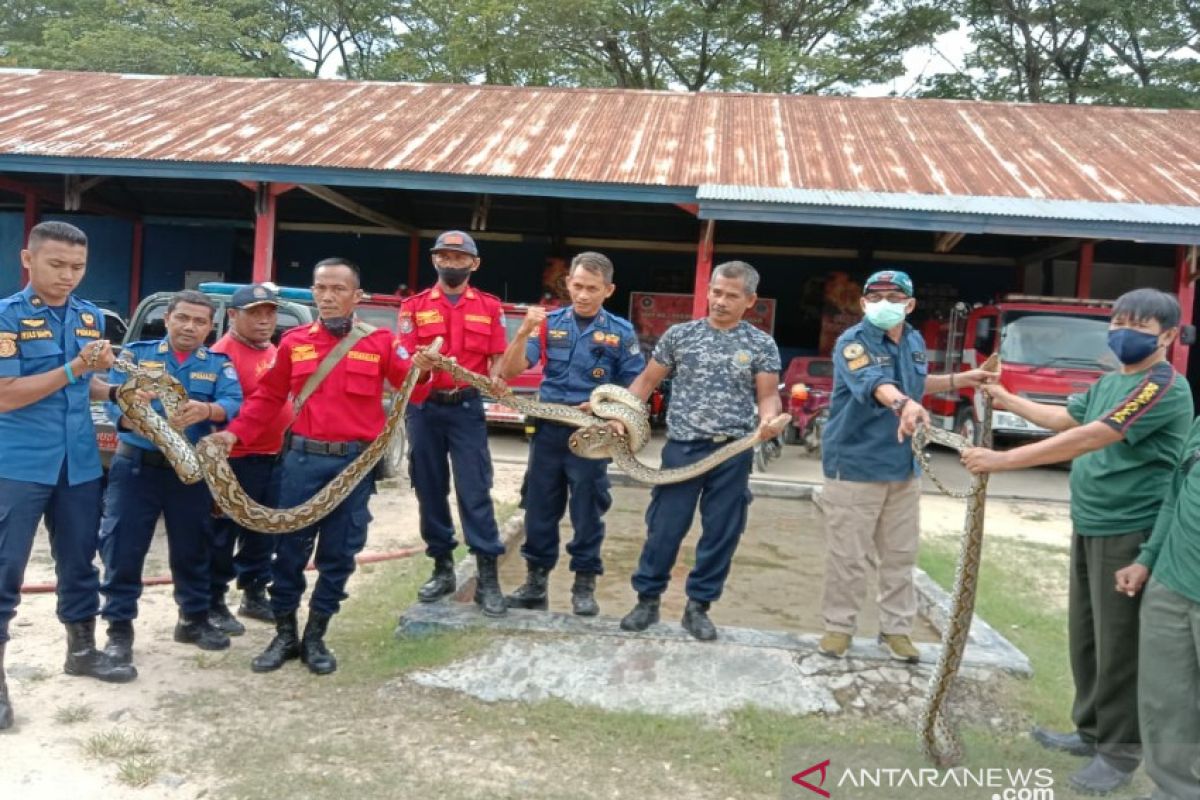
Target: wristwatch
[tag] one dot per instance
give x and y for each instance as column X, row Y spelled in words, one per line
column 898, row 404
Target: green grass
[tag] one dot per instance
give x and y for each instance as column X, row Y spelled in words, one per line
column 139, row 771
column 116, row 744
column 1022, row 588
column 69, row 715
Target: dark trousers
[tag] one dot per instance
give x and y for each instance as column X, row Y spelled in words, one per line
column 1169, row 691
column 72, row 518
column 137, row 494
column 724, row 498
column 441, row 437
column 557, row 478
column 337, row 538
column 259, row 477
column 1103, row 636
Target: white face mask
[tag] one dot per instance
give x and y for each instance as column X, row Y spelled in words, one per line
column 886, row 314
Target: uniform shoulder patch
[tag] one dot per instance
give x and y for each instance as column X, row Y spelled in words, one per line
column 8, row 348
column 856, row 364
column 853, row 350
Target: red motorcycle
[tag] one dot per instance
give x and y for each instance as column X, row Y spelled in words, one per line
column 807, row 387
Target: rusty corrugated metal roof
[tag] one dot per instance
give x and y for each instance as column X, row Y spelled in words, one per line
column 893, row 146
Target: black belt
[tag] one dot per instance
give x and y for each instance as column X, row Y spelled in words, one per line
column 718, row 439
column 452, row 397
column 317, row 447
column 147, row 458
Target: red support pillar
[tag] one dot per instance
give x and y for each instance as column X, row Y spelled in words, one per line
column 1083, row 277
column 1185, row 290
column 414, row 261
column 704, row 259
column 135, row 266
column 31, row 219
column 265, row 202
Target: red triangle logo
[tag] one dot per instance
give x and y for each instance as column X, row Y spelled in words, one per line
column 798, row 778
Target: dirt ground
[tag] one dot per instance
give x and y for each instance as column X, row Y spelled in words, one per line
column 56, row 748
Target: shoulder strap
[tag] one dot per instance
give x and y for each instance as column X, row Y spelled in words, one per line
column 542, row 332
column 360, row 330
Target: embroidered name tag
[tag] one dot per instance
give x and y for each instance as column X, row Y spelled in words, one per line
column 354, row 355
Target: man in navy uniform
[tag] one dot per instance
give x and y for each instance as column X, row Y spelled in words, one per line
column 142, row 485
column 872, row 492
column 581, row 346
column 49, row 463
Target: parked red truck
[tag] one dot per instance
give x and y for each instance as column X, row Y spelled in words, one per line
column 1050, row 348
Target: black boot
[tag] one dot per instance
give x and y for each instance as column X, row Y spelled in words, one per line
column 283, row 648
column 313, row 652
column 220, row 617
column 696, row 621
column 441, row 583
column 255, row 605
column 643, row 615
column 196, row 629
column 487, row 587
column 120, row 641
column 6, row 713
column 1071, row 742
column 84, row 659
column 583, row 595
column 532, row 593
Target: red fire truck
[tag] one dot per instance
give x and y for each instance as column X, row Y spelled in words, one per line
column 1050, row 348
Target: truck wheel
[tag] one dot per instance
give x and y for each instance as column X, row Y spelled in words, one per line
column 392, row 463
column 964, row 424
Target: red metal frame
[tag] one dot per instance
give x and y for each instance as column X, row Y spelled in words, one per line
column 1083, row 277
column 1185, row 290
column 135, row 266
column 265, row 204
column 414, row 261
column 704, row 259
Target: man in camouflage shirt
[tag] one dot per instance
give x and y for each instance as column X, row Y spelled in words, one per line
column 724, row 382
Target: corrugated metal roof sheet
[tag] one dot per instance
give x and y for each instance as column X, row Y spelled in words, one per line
column 856, row 145
column 1082, row 210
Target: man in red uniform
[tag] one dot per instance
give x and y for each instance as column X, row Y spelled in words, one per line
column 338, row 421
column 253, row 314
column 446, row 425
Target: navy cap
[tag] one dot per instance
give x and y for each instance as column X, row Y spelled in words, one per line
column 255, row 294
column 456, row 241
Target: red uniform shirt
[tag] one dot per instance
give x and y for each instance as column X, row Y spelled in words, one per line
column 251, row 364
column 472, row 330
column 347, row 406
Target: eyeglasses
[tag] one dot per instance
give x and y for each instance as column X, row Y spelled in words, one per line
column 891, row 297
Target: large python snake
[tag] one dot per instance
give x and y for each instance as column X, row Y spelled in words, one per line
column 208, row 461
column 595, row 439
column 940, row 742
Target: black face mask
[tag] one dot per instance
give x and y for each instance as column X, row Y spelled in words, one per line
column 338, row 326
column 454, row 276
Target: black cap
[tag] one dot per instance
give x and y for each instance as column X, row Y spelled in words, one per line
column 255, row 294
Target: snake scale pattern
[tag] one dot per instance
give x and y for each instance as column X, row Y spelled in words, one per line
column 595, row 439
column 208, row 461
column 939, row 740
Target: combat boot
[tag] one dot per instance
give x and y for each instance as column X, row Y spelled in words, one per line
column 696, row 622
column 583, row 595
column 196, row 629
column 442, row 582
column 6, row 712
column 643, row 615
column 220, row 617
column 284, row 647
column 532, row 593
column 487, row 587
column 84, row 659
column 255, row 605
column 313, row 652
column 120, row 641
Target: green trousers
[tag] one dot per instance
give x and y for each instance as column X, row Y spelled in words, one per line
column 1169, row 692
column 1103, row 639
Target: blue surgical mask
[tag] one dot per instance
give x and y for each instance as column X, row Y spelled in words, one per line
column 885, row 314
column 1132, row 347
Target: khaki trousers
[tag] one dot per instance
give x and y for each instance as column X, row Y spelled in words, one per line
column 873, row 524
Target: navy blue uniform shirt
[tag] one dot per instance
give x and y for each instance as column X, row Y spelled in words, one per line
column 859, row 441
column 207, row 376
column 606, row 351
column 35, row 439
